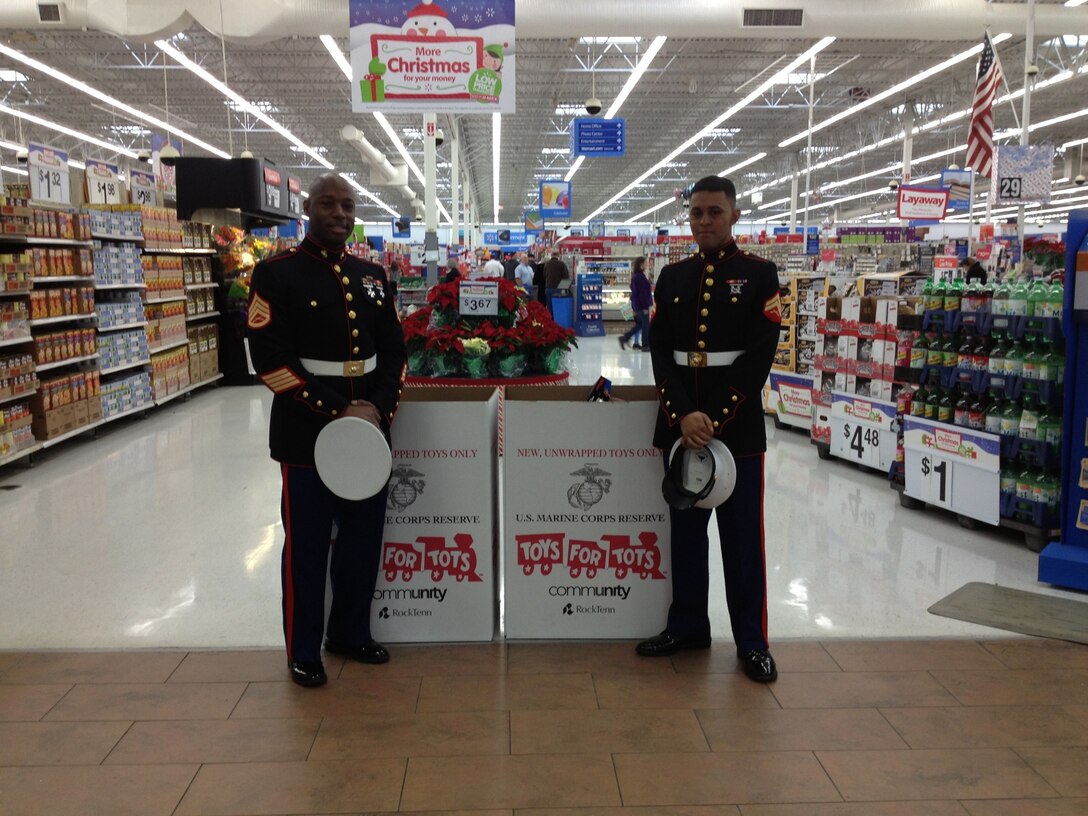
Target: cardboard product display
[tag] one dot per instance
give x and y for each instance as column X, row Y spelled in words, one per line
column 585, row 526
column 438, row 577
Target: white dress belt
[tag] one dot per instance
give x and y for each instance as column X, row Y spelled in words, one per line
column 340, row 368
column 705, row 359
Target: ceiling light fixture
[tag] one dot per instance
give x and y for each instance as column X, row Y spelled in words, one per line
column 83, row 87
column 368, row 194
column 723, row 174
column 895, row 89
column 732, row 111
column 165, row 47
column 76, row 134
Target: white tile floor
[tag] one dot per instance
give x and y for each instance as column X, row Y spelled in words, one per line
column 165, row 532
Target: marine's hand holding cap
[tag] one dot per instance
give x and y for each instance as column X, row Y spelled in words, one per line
column 699, row 477
column 352, row 458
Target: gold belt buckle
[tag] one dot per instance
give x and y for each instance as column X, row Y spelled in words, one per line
column 697, row 359
column 354, row 368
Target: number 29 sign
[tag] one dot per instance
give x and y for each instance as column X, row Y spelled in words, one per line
column 1023, row 174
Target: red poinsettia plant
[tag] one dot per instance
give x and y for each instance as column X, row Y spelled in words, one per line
column 521, row 339
column 1046, row 253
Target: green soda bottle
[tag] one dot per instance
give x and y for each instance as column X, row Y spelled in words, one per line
column 1017, row 304
column 1055, row 299
column 946, row 406
column 1025, row 484
column 927, row 296
column 1000, row 306
column 961, row 410
column 953, row 296
column 1030, row 365
column 1050, row 427
column 1014, row 360
column 933, row 398
column 934, row 353
column 993, row 415
column 1010, row 418
column 950, row 351
column 1029, row 419
column 1052, row 366
column 1008, row 479
column 1038, row 300
column 918, row 351
column 986, row 298
column 918, row 401
column 996, row 363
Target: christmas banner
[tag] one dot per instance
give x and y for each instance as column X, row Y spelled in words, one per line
column 452, row 56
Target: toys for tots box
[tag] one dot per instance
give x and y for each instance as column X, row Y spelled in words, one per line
column 437, row 580
column 585, row 528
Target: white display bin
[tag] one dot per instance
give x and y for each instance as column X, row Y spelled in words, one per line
column 438, row 577
column 585, row 528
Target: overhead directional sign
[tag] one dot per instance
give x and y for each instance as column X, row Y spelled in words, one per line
column 598, row 137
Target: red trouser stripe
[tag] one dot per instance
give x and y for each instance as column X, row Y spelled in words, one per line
column 288, row 579
column 763, row 540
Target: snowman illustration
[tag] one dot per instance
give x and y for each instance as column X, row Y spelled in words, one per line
column 428, row 19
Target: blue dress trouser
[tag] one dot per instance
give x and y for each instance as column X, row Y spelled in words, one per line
column 740, row 528
column 309, row 510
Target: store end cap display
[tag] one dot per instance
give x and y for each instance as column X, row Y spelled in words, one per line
column 699, row 477
column 352, row 458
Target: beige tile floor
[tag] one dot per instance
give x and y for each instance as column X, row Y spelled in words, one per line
column 852, row 728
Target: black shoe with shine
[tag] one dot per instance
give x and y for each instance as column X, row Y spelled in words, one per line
column 666, row 644
column 370, row 652
column 307, row 672
column 623, row 343
column 758, row 665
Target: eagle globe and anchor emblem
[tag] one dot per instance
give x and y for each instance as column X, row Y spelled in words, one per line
column 405, row 486
column 586, row 493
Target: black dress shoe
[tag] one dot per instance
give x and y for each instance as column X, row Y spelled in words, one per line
column 307, row 672
column 623, row 343
column 758, row 665
column 370, row 652
column 666, row 644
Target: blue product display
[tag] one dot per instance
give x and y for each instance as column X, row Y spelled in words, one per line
column 1065, row 562
column 589, row 318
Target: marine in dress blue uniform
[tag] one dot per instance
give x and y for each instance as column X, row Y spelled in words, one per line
column 712, row 343
column 324, row 336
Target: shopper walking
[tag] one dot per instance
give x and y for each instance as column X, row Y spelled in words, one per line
column 712, row 343
column 642, row 299
column 324, row 336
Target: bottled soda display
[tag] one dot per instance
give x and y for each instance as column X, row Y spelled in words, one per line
column 1038, row 299
column 965, row 354
column 1029, row 368
column 1017, row 304
column 961, row 410
column 953, row 295
column 949, row 351
column 1055, row 302
column 1029, row 419
column 996, row 362
column 1050, row 427
column 1014, row 360
column 976, row 412
column 1010, row 418
column 946, row 405
column 918, row 351
column 1000, row 305
column 1052, row 364
column 994, row 412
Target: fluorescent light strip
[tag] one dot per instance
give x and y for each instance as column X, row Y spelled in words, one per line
column 86, row 137
column 895, row 89
column 345, row 67
column 109, row 100
column 628, row 86
column 739, row 106
column 844, row 199
column 253, row 110
column 369, row 195
column 16, row 170
column 722, row 174
column 496, row 145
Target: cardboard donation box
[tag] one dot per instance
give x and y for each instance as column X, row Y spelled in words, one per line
column 585, row 528
column 438, row 575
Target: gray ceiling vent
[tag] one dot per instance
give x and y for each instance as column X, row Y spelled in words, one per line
column 51, row 12
column 764, row 18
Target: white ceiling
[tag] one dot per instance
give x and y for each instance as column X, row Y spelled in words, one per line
column 690, row 83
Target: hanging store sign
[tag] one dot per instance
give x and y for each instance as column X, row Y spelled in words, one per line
column 555, row 198
column 1023, row 174
column 103, row 185
column 452, row 57
column 958, row 183
column 141, row 187
column 598, row 137
column 49, row 180
column 921, row 203
column 294, row 197
column 534, row 221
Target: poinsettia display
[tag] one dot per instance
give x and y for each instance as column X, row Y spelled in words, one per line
column 521, row 340
column 1046, row 253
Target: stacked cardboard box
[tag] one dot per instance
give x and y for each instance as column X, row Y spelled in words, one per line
column 203, row 353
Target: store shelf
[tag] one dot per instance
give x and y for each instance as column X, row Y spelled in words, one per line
column 178, row 251
column 107, row 286
column 82, row 429
column 171, row 299
column 139, row 324
column 32, row 240
column 124, row 367
column 200, row 316
column 105, row 236
column 15, row 341
column 187, row 389
column 64, row 279
column 49, row 321
column 14, row 292
column 15, row 397
column 211, row 285
column 135, row 409
column 11, row 456
column 167, row 346
column 62, row 363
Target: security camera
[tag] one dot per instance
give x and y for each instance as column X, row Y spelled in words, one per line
column 1079, row 179
column 593, row 106
column 439, row 137
column 893, row 184
column 1031, row 70
column 143, row 155
column 22, row 156
column 685, row 203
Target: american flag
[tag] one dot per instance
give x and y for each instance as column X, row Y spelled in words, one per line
column 980, row 139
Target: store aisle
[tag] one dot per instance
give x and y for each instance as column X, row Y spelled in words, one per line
column 165, row 532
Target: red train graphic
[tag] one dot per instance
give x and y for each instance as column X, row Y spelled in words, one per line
column 545, row 551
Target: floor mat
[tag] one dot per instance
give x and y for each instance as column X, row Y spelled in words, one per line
column 1016, row 611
